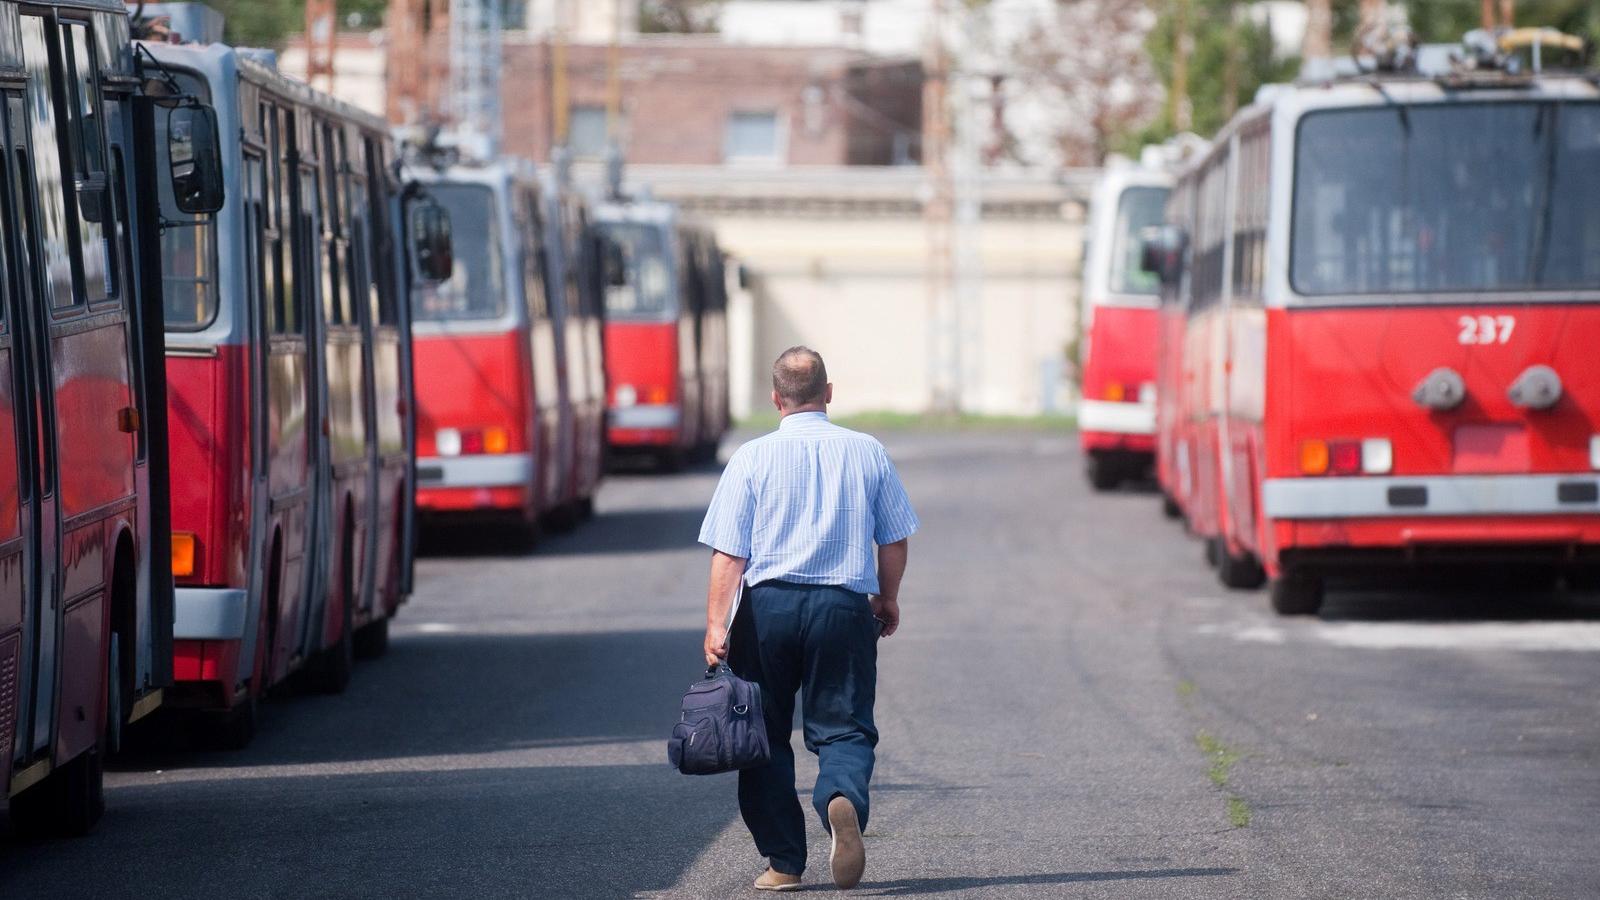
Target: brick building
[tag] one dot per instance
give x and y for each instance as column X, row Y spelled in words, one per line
column 698, row 101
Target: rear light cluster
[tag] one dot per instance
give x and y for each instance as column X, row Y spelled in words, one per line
column 627, row 395
column 1594, row 451
column 1373, row 456
column 471, row 441
column 183, row 554
column 1117, row 392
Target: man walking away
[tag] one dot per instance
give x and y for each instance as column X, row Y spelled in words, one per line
column 797, row 516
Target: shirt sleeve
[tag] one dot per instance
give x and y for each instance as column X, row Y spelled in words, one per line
column 731, row 517
column 893, row 518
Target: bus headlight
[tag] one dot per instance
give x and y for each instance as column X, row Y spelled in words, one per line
column 626, row 395
column 1377, row 456
column 447, row 441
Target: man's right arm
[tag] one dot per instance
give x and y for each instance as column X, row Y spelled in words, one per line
column 891, row 568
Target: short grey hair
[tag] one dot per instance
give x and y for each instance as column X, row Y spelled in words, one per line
column 800, row 377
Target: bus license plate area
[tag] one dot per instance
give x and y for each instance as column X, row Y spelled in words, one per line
column 1490, row 449
column 430, row 475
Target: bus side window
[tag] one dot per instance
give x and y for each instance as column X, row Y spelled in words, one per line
column 381, row 247
column 534, row 262
column 87, row 141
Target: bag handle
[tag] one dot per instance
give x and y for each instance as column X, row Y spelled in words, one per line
column 727, row 632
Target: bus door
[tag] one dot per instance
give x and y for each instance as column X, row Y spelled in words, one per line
column 44, row 274
column 21, row 608
column 374, row 247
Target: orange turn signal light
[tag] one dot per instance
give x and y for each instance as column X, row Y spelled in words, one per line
column 496, row 440
column 1314, row 457
column 183, row 553
column 1115, row 392
column 656, row 395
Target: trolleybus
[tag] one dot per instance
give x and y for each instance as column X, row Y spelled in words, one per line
column 1395, row 297
column 288, row 352
column 1118, row 320
column 488, row 374
column 573, row 282
column 85, row 588
column 666, row 332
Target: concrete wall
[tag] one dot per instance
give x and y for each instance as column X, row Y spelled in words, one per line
column 838, row 260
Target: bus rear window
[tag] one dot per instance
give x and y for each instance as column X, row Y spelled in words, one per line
column 1448, row 198
column 646, row 288
column 476, row 286
column 1137, row 209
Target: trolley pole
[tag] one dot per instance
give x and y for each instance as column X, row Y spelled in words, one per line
column 321, row 34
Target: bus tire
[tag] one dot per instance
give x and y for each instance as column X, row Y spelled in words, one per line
column 1238, row 572
column 1170, row 507
column 1211, row 549
column 67, row 803
column 1296, row 594
column 339, row 661
column 1103, row 474
column 372, row 640
column 236, row 728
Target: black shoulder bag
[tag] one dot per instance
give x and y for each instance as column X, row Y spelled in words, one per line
column 720, row 728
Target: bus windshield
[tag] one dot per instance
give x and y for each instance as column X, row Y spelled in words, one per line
column 1137, row 209
column 647, row 293
column 474, row 290
column 1447, row 199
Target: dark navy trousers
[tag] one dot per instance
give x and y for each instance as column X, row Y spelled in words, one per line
column 822, row 643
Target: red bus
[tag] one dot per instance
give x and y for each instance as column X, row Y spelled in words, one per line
column 666, row 333
column 1395, row 295
column 288, row 352
column 1117, row 356
column 85, row 591
column 489, row 417
column 574, row 282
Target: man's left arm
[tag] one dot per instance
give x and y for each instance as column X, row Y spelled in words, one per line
column 894, row 521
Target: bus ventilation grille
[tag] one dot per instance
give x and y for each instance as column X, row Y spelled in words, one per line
column 8, row 694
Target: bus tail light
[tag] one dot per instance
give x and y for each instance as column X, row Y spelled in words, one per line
column 1594, row 451
column 471, row 442
column 1115, row 392
column 626, row 395
column 1344, row 457
column 1377, row 456
column 657, row 395
column 1314, row 457
column 1147, row 393
column 183, row 553
column 496, row 440
column 447, row 441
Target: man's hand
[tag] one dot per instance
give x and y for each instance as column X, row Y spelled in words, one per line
column 887, row 611
column 716, row 644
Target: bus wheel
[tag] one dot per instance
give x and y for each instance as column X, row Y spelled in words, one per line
column 1169, row 506
column 1212, row 548
column 1297, row 594
column 372, row 641
column 339, row 661
column 236, row 728
column 670, row 460
column 1238, row 572
column 1104, row 475
column 67, row 803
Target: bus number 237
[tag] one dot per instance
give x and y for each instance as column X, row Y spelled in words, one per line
column 1487, row 329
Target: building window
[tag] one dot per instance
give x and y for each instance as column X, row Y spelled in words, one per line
column 753, row 137
column 586, row 131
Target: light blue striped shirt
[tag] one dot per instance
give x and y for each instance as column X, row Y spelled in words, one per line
column 807, row 503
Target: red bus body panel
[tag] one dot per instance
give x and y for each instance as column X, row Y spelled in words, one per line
column 644, row 356
column 1123, row 343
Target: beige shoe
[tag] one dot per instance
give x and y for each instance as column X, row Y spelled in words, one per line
column 773, row 880
column 849, row 856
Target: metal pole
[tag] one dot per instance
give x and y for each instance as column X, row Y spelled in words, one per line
column 936, row 212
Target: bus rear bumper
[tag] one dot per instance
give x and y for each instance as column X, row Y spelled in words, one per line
column 210, row 614
column 644, row 426
column 1106, row 417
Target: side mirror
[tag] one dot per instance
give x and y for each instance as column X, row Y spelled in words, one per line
column 616, row 265
column 431, row 244
column 194, row 152
column 1161, row 251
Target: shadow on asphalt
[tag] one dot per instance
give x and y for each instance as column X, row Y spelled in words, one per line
column 446, row 694
column 907, row 887
column 1507, row 602
column 623, row 531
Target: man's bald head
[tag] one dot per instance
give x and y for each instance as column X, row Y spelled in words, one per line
column 799, row 378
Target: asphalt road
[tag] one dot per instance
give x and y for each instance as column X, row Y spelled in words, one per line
column 1073, row 708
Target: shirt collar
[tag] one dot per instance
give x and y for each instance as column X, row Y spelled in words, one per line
column 799, row 418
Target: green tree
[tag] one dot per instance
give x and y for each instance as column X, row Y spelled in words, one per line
column 1231, row 57
column 268, row 23
column 678, row 16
